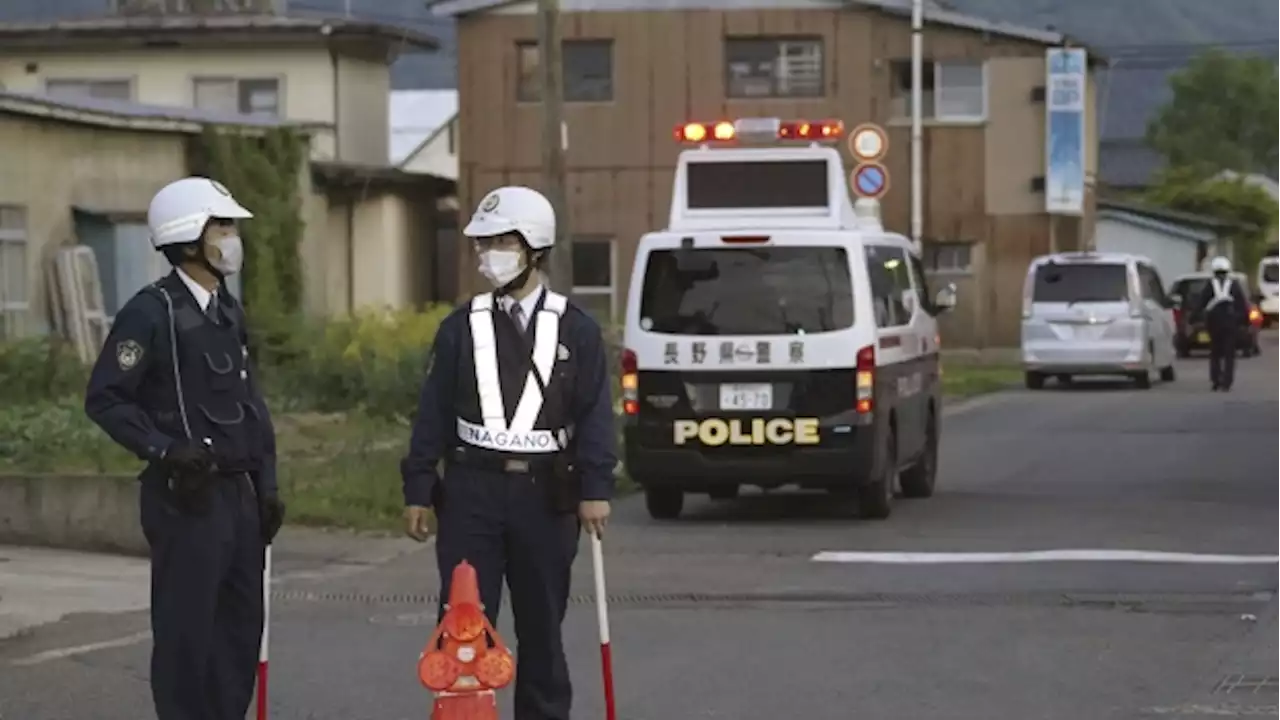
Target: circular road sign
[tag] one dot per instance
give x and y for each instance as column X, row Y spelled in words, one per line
column 868, row 142
column 869, row 180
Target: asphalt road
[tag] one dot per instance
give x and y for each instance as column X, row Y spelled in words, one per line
column 725, row 614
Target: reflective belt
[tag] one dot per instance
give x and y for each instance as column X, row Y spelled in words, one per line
column 520, row 435
column 1221, row 292
column 532, row 441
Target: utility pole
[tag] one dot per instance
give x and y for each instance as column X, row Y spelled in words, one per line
column 917, row 123
column 554, row 140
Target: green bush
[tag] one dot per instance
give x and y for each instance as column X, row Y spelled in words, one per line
column 373, row 360
column 36, row 370
column 43, row 437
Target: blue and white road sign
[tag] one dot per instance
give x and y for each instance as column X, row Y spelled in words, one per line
column 870, row 180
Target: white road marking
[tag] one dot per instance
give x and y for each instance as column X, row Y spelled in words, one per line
column 977, row 558
column 60, row 653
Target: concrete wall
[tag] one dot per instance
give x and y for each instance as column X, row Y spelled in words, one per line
column 77, row 512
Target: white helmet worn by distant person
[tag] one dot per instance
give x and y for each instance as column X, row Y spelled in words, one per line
column 515, row 209
column 180, row 211
column 1220, row 265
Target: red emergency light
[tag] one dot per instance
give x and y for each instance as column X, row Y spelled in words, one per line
column 757, row 129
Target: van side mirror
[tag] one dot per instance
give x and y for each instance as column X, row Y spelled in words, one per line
column 945, row 300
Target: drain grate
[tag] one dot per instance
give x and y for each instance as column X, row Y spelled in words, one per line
column 1247, row 684
column 868, row 600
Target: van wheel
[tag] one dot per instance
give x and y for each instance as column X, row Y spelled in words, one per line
column 875, row 498
column 1034, row 381
column 1142, row 380
column 663, row 504
column 1168, row 374
column 918, row 480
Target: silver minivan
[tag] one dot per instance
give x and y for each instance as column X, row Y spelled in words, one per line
column 1088, row 313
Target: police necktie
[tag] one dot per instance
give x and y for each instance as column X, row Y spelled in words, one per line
column 517, row 315
column 211, row 310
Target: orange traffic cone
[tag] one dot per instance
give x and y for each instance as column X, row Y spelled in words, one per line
column 458, row 663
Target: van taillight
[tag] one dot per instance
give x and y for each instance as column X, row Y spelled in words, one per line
column 630, row 383
column 865, row 380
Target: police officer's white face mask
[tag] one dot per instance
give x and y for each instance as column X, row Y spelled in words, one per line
column 230, row 254
column 501, row 266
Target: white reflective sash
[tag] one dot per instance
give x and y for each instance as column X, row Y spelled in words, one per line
column 1221, row 292
column 489, row 387
column 533, row 441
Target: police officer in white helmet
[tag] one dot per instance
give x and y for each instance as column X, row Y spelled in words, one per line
column 517, row 404
column 174, row 385
column 1226, row 311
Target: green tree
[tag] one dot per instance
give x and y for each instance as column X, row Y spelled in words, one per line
column 1249, row 208
column 1222, row 116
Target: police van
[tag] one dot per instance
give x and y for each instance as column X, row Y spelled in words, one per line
column 775, row 333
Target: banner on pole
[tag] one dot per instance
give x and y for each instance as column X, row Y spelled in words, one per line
column 1065, row 86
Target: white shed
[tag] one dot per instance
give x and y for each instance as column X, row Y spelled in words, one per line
column 1176, row 243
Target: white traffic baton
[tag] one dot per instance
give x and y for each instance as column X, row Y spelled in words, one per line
column 602, row 617
column 266, row 635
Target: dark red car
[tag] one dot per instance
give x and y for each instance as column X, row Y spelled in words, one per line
column 1190, row 333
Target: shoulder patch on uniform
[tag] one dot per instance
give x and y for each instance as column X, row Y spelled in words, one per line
column 128, row 354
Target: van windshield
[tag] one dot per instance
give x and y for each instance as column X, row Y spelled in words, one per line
column 747, row 291
column 1093, row 282
column 1271, row 272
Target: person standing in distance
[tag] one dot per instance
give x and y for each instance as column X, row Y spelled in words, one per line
column 1225, row 311
column 174, row 385
column 517, row 404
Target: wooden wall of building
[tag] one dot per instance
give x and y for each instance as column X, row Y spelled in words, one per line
column 669, row 68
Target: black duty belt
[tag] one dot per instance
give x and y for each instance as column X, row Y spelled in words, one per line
column 495, row 462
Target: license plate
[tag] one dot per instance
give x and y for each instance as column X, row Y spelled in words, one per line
column 746, row 396
column 1202, row 337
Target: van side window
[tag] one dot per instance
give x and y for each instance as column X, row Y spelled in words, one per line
column 890, row 278
column 924, row 295
column 1152, row 287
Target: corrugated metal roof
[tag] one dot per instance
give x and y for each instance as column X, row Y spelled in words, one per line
column 87, row 109
column 415, row 116
column 61, row 31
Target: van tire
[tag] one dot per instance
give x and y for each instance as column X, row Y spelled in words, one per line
column 663, row 503
column 875, row 497
column 1142, row 380
column 918, row 480
column 1168, row 374
column 1034, row 380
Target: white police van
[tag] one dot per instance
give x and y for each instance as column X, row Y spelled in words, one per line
column 775, row 334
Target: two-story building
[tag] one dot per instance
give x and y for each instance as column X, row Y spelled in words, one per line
column 370, row 225
column 635, row 69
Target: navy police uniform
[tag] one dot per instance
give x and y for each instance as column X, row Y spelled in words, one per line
column 514, row 413
column 172, row 373
column 1225, row 311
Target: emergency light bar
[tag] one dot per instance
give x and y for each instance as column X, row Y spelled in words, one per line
column 760, row 130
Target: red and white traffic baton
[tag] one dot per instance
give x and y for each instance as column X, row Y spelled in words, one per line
column 266, row 632
column 602, row 617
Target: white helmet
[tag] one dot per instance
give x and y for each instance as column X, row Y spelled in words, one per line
column 1220, row 264
column 515, row 209
column 181, row 209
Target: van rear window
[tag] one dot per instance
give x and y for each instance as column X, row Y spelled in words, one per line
column 747, row 291
column 759, row 184
column 1271, row 273
column 1072, row 283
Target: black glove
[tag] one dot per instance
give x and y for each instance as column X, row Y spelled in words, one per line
column 271, row 517
column 189, row 466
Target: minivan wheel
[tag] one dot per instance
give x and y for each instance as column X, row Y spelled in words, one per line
column 875, row 498
column 663, row 503
column 1034, row 380
column 917, row 481
column 1142, row 380
column 1168, row 374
